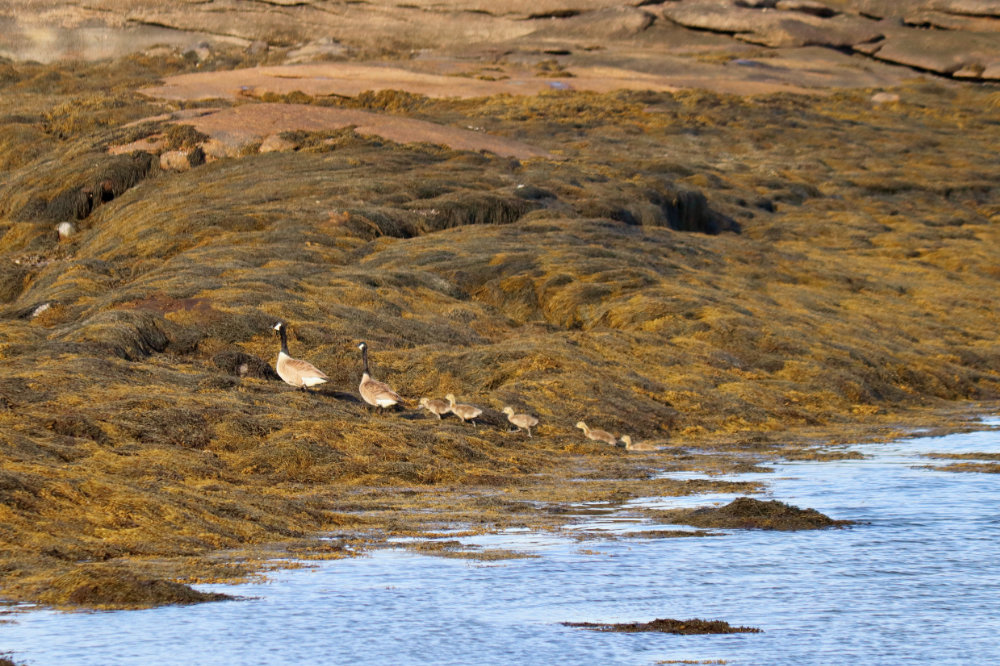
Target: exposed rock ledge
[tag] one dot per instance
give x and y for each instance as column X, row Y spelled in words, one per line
column 957, row 38
column 232, row 130
column 964, row 41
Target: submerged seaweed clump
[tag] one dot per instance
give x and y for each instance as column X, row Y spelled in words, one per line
column 456, row 549
column 982, row 463
column 981, row 468
column 995, row 457
column 668, row 626
column 115, row 587
column 667, row 534
column 747, row 512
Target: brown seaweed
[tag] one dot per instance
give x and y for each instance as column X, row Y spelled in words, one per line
column 667, row 626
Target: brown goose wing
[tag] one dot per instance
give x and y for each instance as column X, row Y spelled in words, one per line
column 373, row 391
column 304, row 368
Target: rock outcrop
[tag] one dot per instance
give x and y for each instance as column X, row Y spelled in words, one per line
column 962, row 43
column 232, row 131
column 955, row 38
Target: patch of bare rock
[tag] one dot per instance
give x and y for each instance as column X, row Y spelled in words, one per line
column 232, row 130
column 955, row 38
column 949, row 37
column 351, row 79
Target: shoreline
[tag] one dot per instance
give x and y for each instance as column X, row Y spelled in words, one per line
column 430, row 513
column 741, row 276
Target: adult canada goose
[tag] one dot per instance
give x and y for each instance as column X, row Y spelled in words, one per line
column 640, row 446
column 375, row 393
column 597, row 435
column 522, row 421
column 435, row 406
column 464, row 412
column 299, row 374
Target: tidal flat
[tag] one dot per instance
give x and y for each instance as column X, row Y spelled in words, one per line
column 741, row 278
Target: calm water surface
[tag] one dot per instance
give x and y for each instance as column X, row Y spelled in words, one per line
column 918, row 582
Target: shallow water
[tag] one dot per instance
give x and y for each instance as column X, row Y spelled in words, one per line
column 917, row 582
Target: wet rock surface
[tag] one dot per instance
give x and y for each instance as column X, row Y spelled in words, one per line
column 950, row 38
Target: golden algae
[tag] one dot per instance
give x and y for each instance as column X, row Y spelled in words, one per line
column 744, row 278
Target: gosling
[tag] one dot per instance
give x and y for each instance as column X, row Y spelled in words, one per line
column 375, row 393
column 639, row 446
column 299, row 374
column 464, row 412
column 597, row 435
column 522, row 421
column 435, row 406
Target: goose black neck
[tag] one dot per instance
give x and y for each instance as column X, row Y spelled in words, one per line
column 284, row 340
column 364, row 357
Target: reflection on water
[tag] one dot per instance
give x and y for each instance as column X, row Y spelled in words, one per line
column 918, row 581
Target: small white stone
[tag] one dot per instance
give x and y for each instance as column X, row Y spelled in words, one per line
column 885, row 98
column 65, row 229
